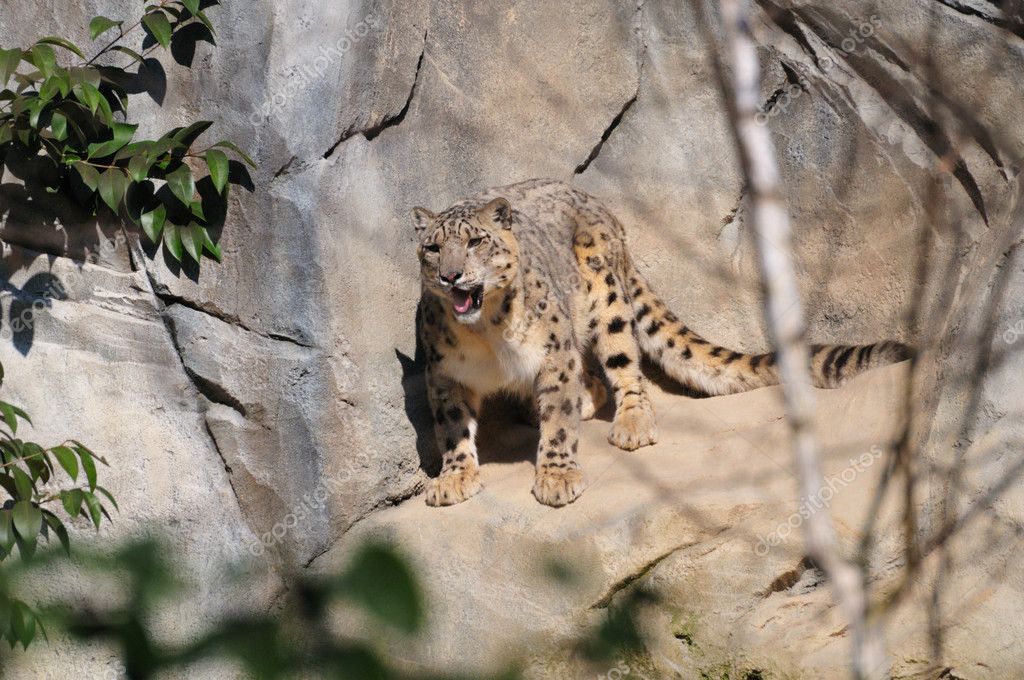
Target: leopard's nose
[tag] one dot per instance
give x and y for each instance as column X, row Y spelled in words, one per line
column 451, row 278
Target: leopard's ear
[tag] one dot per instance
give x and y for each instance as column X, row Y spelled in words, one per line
column 499, row 210
column 421, row 219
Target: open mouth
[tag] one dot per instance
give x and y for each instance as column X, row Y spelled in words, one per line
column 467, row 301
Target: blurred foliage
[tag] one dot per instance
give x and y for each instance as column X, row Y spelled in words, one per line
column 63, row 127
column 296, row 639
column 618, row 634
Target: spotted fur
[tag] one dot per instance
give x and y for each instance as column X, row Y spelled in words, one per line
column 518, row 284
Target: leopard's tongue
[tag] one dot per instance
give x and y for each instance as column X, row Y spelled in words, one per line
column 462, row 300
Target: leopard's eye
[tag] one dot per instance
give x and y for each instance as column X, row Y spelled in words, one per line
column 433, row 248
column 474, row 242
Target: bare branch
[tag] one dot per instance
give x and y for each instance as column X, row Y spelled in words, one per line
column 784, row 309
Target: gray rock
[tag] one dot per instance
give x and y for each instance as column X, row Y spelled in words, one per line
column 92, row 359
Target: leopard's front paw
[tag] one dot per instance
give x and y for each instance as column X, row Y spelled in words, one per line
column 453, row 487
column 558, row 486
column 634, row 428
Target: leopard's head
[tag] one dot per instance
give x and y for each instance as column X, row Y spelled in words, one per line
column 467, row 253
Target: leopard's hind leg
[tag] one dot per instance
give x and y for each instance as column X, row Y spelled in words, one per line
column 611, row 328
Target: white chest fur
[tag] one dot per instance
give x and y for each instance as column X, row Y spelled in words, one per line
column 488, row 361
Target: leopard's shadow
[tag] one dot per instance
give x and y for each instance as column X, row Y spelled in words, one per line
column 505, row 434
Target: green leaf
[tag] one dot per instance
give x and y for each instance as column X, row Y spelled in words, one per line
column 95, row 510
column 196, row 208
column 231, row 145
column 192, row 241
column 109, row 496
column 49, row 89
column 21, row 414
column 383, row 585
column 80, row 445
column 6, row 530
column 187, row 135
column 72, row 499
column 123, row 133
column 153, row 222
column 158, row 27
column 59, row 126
column 113, row 183
column 211, row 247
column 177, row 14
column 28, row 520
column 138, row 166
column 9, row 416
column 172, row 240
column 23, row 622
column 44, row 59
column 9, row 60
column 100, row 25
column 102, row 149
column 191, row 5
column 217, row 161
column 182, row 184
column 67, row 460
column 206, row 21
column 90, row 176
column 130, row 52
column 105, row 111
column 23, row 483
column 133, row 149
column 37, row 460
column 87, row 94
column 88, row 465
column 58, row 528
column 61, row 42
column 35, row 108
column 57, row 83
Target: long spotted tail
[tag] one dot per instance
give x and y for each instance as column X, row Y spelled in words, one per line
column 714, row 370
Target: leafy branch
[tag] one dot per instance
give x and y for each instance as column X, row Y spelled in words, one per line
column 69, row 118
column 72, row 118
column 28, row 473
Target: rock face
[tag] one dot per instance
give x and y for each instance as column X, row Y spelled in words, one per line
column 235, row 394
column 708, row 517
